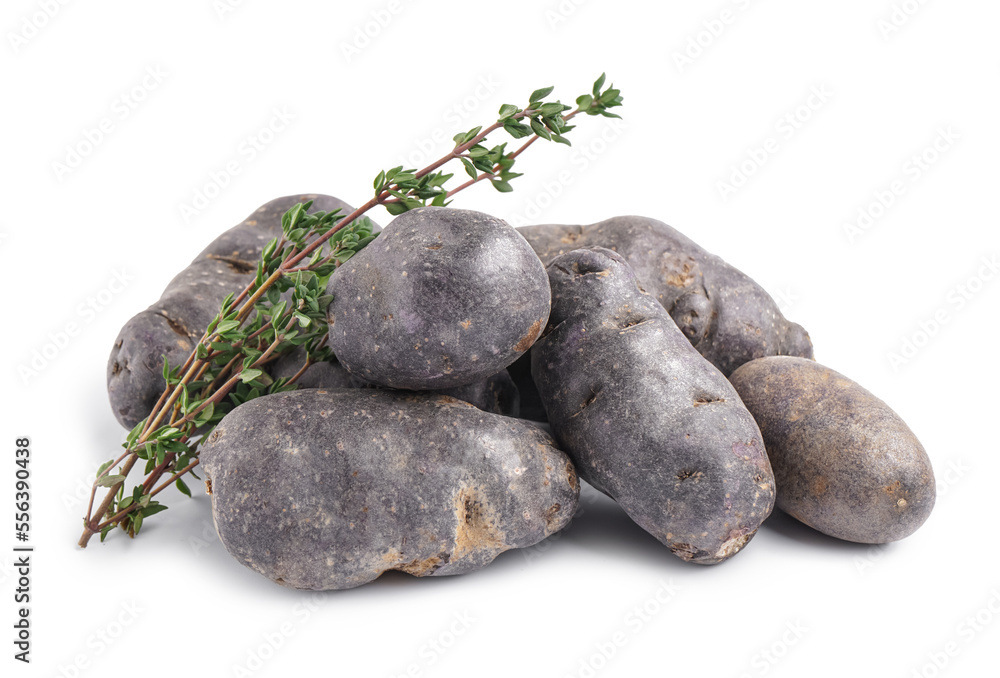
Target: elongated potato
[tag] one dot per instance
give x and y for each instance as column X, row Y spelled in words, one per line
column 329, row 489
column 443, row 298
column 172, row 325
column 844, row 462
column 728, row 317
column 496, row 394
column 644, row 417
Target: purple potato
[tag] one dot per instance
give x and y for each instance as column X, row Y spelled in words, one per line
column 442, row 298
column 644, row 417
column 329, row 489
column 844, row 462
column 728, row 317
column 173, row 325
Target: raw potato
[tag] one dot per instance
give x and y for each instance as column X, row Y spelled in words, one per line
column 327, row 375
column 329, row 489
column 173, row 325
column 644, row 417
column 844, row 462
column 728, row 317
column 496, row 394
column 443, row 298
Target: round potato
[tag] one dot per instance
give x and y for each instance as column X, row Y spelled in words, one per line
column 442, row 298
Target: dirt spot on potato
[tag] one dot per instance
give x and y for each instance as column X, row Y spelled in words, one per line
column 574, row 482
column 466, row 324
column 591, row 399
column 528, row 339
column 689, row 474
column 678, row 273
column 897, row 492
column 737, row 540
column 750, row 452
column 819, row 486
column 550, row 515
column 425, row 567
column 391, row 557
column 632, row 321
column 236, row 265
column 477, row 525
column 683, row 551
column 115, row 368
column 449, row 400
column 588, row 268
column 602, row 273
column 570, row 237
column 176, row 326
column 707, row 400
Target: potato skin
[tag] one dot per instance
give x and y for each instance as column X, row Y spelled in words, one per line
column 727, row 316
column 496, row 394
column 324, row 490
column 325, row 375
column 173, row 324
column 844, row 462
column 443, row 298
column 644, row 417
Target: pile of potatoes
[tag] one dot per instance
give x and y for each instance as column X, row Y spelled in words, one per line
column 481, row 369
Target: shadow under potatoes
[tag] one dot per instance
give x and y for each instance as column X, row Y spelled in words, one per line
column 787, row 527
column 602, row 526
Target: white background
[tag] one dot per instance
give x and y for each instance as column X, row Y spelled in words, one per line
column 794, row 602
